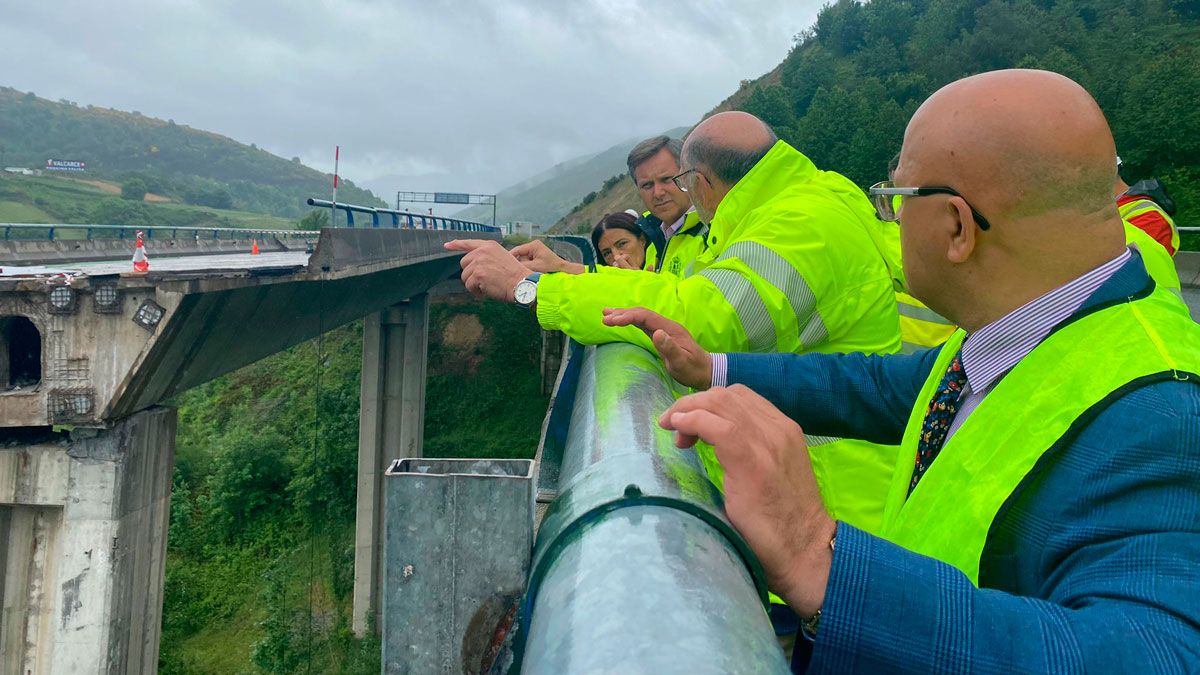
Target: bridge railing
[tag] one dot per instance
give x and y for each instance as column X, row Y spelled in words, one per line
column 635, row 562
column 402, row 219
column 55, row 231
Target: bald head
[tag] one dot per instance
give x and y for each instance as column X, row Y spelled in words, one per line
column 1020, row 143
column 1031, row 152
column 727, row 145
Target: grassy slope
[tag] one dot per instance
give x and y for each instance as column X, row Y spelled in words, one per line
column 55, row 199
column 482, row 399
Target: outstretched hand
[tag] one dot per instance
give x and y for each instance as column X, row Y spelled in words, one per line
column 487, row 269
column 686, row 361
column 537, row 256
column 771, row 494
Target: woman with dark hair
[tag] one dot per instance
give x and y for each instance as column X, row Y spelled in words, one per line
column 619, row 242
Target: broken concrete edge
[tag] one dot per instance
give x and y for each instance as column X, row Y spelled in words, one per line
column 34, row 252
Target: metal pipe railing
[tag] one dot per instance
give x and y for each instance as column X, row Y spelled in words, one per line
column 636, row 568
column 410, row 220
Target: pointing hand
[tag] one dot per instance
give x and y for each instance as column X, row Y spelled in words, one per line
column 488, row 270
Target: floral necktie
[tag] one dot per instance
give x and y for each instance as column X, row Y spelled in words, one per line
column 938, row 417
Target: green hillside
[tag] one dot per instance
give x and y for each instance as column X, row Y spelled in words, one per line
column 548, row 196
column 847, row 89
column 173, row 160
column 60, row 199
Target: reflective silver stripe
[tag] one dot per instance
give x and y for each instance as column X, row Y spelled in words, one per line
column 910, row 347
column 778, row 272
column 920, row 313
column 814, row 333
column 1138, row 208
column 814, row 441
column 689, row 270
column 750, row 308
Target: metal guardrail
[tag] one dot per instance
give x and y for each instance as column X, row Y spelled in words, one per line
column 584, row 244
column 403, row 219
column 636, row 569
column 53, row 231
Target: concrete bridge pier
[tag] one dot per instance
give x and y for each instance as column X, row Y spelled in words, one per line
column 391, row 425
column 83, row 536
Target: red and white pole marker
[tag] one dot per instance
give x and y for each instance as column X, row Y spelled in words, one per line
column 141, row 263
column 337, row 153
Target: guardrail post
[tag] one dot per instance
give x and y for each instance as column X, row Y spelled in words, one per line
column 458, row 538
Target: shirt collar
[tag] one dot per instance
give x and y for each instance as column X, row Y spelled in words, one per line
column 994, row 349
column 670, row 230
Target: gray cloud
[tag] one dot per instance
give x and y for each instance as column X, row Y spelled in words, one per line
column 464, row 95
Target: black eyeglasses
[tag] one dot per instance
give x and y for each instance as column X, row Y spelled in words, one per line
column 678, row 184
column 887, row 198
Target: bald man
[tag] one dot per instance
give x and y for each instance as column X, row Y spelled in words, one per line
column 1044, row 513
column 793, row 264
column 792, row 261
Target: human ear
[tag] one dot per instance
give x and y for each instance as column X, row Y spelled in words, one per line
column 962, row 238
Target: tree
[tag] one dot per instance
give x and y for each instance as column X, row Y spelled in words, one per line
column 120, row 212
column 771, row 105
column 134, row 189
column 315, row 220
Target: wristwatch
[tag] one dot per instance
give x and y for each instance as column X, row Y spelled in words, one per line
column 526, row 291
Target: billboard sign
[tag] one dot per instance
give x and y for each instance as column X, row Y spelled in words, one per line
column 64, row 165
column 451, row 198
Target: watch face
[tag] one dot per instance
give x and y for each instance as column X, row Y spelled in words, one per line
column 525, row 292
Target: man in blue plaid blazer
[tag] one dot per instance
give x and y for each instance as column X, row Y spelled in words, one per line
column 1092, row 563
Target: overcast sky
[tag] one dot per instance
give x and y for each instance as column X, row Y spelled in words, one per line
column 425, row 94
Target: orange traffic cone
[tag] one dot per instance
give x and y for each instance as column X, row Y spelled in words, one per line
column 141, row 263
column 254, row 247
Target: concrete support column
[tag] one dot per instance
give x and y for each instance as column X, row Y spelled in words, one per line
column 83, row 539
column 553, row 344
column 391, row 424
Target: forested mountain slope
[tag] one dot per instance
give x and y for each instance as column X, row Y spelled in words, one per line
column 852, row 81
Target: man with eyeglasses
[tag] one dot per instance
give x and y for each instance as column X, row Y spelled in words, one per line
column 674, row 231
column 792, row 264
column 1044, row 514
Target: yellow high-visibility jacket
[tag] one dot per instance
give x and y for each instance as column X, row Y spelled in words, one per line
column 789, row 266
column 682, row 248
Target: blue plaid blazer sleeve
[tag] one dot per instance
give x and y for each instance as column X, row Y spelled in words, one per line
column 1094, row 568
column 845, row 395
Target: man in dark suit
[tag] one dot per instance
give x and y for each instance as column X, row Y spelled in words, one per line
column 1044, row 514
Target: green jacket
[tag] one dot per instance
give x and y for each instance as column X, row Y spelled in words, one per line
column 682, row 248
column 789, row 266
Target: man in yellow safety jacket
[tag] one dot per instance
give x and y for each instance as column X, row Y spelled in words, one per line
column 674, row 234
column 791, row 265
column 674, row 231
column 1047, row 486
